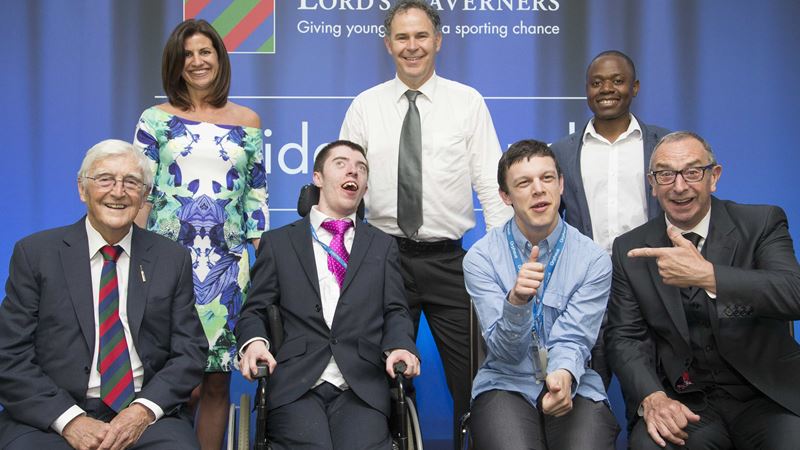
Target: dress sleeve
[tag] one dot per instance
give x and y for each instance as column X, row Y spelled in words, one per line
column 145, row 139
column 256, row 197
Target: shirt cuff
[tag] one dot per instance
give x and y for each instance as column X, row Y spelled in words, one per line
column 65, row 418
column 156, row 410
column 244, row 347
column 711, row 295
column 518, row 316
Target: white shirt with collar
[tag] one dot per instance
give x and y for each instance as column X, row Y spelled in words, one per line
column 460, row 152
column 613, row 179
column 328, row 286
column 96, row 242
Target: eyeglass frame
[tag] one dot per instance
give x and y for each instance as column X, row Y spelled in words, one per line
column 94, row 179
column 654, row 174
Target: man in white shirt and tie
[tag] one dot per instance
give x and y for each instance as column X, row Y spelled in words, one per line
column 431, row 142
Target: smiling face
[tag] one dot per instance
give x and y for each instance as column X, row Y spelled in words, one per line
column 413, row 43
column 111, row 211
column 610, row 87
column 685, row 203
column 342, row 182
column 534, row 191
column 201, row 64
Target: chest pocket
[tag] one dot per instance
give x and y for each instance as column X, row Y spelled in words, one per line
column 556, row 301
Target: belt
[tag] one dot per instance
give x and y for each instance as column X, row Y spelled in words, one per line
column 410, row 245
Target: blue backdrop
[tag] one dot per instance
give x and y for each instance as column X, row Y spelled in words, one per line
column 77, row 72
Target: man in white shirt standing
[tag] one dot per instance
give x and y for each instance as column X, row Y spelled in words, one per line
column 430, row 142
column 605, row 165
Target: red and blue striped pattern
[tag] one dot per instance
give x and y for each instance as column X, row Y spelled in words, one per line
column 116, row 377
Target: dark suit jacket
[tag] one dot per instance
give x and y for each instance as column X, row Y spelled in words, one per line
column 47, row 332
column 573, row 201
column 371, row 316
column 758, row 292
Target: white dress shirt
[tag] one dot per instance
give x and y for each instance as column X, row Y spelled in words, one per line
column 96, row 242
column 328, row 286
column 460, row 152
column 613, row 179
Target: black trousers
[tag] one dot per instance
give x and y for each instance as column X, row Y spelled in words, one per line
column 434, row 282
column 728, row 423
column 328, row 418
column 503, row 420
column 168, row 433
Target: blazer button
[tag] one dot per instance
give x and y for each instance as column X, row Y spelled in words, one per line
column 334, row 341
column 317, row 308
column 86, row 369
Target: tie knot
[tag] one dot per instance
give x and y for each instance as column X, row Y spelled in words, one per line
column 337, row 227
column 111, row 253
column 412, row 95
column 694, row 238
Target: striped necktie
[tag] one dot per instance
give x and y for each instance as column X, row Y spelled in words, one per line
column 116, row 378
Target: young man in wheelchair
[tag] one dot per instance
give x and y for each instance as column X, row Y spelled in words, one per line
column 337, row 283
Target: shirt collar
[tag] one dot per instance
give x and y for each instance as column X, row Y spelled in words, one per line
column 96, row 241
column 428, row 89
column 545, row 245
column 633, row 127
column 317, row 217
column 701, row 228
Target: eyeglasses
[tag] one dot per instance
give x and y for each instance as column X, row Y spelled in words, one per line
column 107, row 182
column 689, row 174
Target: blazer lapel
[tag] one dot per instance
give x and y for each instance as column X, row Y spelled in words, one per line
column 304, row 247
column 141, row 269
column 669, row 295
column 78, row 276
column 583, row 204
column 720, row 246
column 361, row 242
column 648, row 142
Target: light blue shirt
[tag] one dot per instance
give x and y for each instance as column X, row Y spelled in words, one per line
column 574, row 304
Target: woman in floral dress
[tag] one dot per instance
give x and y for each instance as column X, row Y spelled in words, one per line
column 209, row 194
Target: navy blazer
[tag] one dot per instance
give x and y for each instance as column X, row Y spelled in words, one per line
column 758, row 293
column 371, row 316
column 47, row 332
column 573, row 200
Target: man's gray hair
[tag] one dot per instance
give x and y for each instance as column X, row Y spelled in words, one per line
column 677, row 136
column 115, row 147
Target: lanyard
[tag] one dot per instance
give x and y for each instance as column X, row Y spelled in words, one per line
column 516, row 255
column 329, row 250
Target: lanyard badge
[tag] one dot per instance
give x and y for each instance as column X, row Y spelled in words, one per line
column 537, row 336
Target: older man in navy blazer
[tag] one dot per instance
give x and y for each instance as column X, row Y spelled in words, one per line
column 100, row 343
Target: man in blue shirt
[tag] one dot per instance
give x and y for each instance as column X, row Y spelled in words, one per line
column 540, row 289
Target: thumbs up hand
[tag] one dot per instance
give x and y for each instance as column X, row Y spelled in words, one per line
column 529, row 278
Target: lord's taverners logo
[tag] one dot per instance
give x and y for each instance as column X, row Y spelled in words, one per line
column 246, row 26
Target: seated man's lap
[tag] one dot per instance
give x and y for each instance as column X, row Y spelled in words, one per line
column 502, row 419
column 727, row 423
column 168, row 433
column 352, row 423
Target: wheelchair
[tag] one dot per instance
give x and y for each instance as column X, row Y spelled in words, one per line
column 403, row 423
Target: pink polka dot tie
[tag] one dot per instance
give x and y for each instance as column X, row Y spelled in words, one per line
column 337, row 228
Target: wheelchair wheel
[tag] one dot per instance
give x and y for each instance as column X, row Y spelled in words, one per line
column 243, row 435
column 414, row 433
column 231, row 426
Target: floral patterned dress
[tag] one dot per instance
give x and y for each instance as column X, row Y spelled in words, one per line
column 209, row 194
